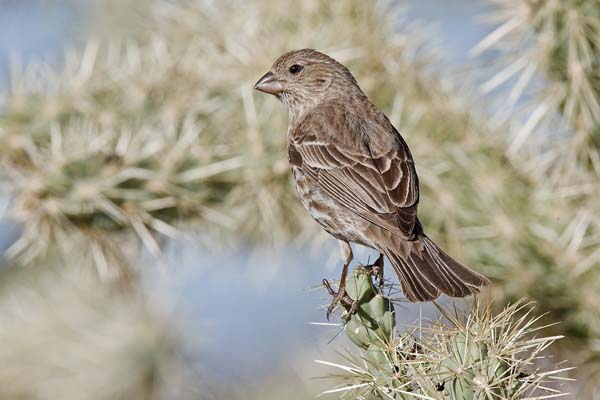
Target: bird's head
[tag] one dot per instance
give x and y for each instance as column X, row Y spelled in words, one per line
column 304, row 78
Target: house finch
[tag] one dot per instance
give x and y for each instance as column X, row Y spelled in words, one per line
column 356, row 177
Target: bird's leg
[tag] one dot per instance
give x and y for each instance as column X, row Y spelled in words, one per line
column 341, row 295
column 378, row 272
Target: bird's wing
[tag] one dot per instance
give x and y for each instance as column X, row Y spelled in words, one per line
column 364, row 169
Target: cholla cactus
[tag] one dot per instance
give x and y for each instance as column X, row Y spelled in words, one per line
column 550, row 50
column 464, row 355
column 372, row 323
column 495, row 356
column 556, row 41
column 90, row 182
column 95, row 151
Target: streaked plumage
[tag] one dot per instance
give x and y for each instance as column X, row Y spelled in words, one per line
column 355, row 175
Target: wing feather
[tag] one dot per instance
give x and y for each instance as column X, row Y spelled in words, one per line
column 364, row 166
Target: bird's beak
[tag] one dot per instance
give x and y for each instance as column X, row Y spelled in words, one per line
column 268, row 83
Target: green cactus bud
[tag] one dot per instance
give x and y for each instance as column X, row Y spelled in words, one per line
column 359, row 286
column 373, row 323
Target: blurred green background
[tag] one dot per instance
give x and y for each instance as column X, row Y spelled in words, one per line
column 154, row 245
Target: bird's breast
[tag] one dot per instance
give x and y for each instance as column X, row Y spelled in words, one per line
column 335, row 219
column 319, row 205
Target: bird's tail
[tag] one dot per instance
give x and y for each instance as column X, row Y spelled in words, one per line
column 427, row 271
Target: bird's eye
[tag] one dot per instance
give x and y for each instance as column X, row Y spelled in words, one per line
column 294, row 69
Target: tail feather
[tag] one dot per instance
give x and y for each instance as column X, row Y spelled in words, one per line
column 427, row 271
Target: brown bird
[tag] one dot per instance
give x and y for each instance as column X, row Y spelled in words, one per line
column 356, row 177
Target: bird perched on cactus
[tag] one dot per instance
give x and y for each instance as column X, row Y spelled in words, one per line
column 355, row 175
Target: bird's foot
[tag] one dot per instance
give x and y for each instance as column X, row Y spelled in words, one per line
column 376, row 269
column 340, row 297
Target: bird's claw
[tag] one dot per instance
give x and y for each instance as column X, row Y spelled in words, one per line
column 337, row 297
column 340, row 297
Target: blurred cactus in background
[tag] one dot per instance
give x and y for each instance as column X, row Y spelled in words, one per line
column 67, row 337
column 154, row 130
column 462, row 356
column 102, row 148
column 558, row 42
column 550, row 59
